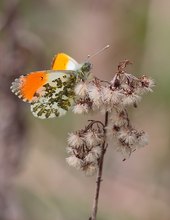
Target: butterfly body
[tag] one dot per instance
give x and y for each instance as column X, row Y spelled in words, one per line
column 51, row 92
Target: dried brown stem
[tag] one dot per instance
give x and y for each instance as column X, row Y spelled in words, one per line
column 99, row 174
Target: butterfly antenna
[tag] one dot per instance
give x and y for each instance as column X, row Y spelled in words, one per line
column 97, row 52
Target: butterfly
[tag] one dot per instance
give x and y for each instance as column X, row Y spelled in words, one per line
column 51, row 92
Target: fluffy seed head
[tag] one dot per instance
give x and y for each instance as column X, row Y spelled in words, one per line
column 81, row 108
column 97, row 151
column 92, row 137
column 127, row 137
column 75, row 140
column 74, row 161
column 81, row 89
column 90, row 169
column 142, row 139
column 95, row 95
column 90, row 157
column 110, row 97
column 130, row 99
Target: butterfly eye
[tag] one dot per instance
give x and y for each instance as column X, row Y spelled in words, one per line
column 42, row 78
column 86, row 67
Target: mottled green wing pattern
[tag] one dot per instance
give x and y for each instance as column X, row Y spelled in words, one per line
column 58, row 95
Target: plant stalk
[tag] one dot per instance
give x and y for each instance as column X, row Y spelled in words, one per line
column 99, row 173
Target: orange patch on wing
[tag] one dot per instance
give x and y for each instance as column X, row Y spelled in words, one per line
column 60, row 62
column 31, row 83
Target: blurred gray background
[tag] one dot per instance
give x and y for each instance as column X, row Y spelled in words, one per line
column 35, row 181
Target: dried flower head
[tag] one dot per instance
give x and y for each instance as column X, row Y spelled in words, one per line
column 131, row 99
column 94, row 92
column 92, row 137
column 81, row 107
column 90, row 169
column 74, row 161
column 86, row 147
column 75, row 140
column 81, row 89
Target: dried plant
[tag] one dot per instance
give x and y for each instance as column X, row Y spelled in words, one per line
column 87, row 146
column 52, row 93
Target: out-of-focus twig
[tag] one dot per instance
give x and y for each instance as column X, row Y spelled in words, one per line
column 15, row 51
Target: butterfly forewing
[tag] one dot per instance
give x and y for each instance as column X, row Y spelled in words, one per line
column 64, row 62
column 29, row 87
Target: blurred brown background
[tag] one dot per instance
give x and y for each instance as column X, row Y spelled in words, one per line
column 35, row 181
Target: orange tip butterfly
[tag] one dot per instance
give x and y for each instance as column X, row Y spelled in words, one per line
column 51, row 92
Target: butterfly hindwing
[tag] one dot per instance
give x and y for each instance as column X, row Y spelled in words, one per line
column 58, row 95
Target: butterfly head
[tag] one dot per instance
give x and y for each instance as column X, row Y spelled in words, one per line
column 84, row 70
column 86, row 67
